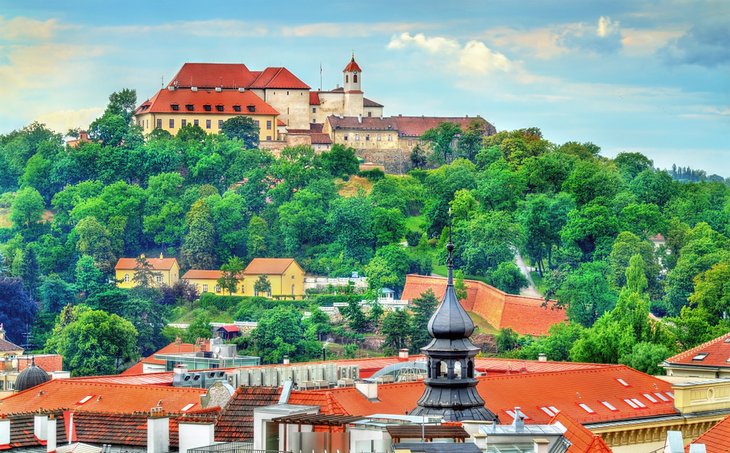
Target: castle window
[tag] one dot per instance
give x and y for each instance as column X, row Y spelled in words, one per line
column 345, row 136
column 175, row 107
column 219, row 107
column 347, row 78
column 220, row 124
column 256, row 122
column 370, row 114
column 236, row 108
column 354, row 78
column 357, row 137
column 172, row 123
column 314, row 109
column 217, row 288
column 207, row 107
column 189, row 107
column 196, row 123
column 183, row 122
column 207, row 124
column 367, row 137
column 287, row 93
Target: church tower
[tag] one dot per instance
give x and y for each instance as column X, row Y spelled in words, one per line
column 352, row 78
column 450, row 384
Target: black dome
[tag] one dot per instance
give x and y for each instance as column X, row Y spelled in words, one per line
column 30, row 377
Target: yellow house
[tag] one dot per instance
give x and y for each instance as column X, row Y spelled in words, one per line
column 166, row 271
column 206, row 281
column 174, row 108
column 284, row 274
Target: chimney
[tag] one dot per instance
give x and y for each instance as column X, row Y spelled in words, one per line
column 285, row 361
column 51, row 438
column 519, row 421
column 541, row 445
column 40, row 427
column 542, row 357
column 161, row 256
column 368, row 389
column 403, row 354
column 194, row 435
column 4, row 433
column 158, row 431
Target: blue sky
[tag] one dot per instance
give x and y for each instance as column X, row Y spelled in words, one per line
column 646, row 76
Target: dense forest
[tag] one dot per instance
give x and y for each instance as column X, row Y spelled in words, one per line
column 584, row 223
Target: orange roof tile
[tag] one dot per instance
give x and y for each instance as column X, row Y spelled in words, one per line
column 158, row 264
column 525, row 315
column 48, row 362
column 269, row 266
column 236, row 420
column 211, row 75
column 203, row 274
column 314, row 98
column 81, row 395
column 717, row 438
column 352, row 66
column 225, row 102
column 164, row 378
column 582, row 440
column 172, row 348
column 717, row 354
column 280, row 78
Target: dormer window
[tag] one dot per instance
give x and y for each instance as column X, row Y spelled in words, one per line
column 236, row 108
column 207, row 107
column 189, row 107
column 175, row 107
column 701, row 356
column 219, row 107
column 251, row 108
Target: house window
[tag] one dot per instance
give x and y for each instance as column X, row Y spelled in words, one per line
column 159, row 278
column 207, row 107
column 390, row 138
column 220, row 124
column 189, row 107
column 205, row 288
column 378, row 137
column 207, row 124
column 367, row 137
column 268, row 124
column 314, row 109
column 217, row 288
column 175, row 107
column 236, row 108
column 183, row 123
column 219, row 107
column 159, row 123
column 345, row 137
column 126, row 277
column 172, row 123
column 357, row 137
column 256, row 122
column 243, row 289
column 196, row 123
column 370, row 113
column 268, row 137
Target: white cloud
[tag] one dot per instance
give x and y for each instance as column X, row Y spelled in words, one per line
column 203, row 28
column 63, row 120
column 24, row 28
column 474, row 57
column 352, row 29
column 606, row 27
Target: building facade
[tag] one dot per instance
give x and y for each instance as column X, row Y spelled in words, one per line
column 165, row 271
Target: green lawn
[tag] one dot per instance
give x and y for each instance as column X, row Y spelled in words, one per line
column 415, row 223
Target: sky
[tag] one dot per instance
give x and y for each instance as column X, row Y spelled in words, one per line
column 649, row 76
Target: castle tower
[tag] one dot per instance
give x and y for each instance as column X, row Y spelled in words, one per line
column 450, row 384
column 352, row 78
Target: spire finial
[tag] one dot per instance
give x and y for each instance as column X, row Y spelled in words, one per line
column 450, row 255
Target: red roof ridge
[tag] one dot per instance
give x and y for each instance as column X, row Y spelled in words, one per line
column 696, row 349
column 598, row 369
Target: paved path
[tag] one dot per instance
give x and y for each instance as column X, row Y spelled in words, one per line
column 530, row 290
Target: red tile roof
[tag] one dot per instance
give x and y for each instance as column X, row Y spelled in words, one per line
column 225, row 102
column 352, row 66
column 327, row 402
column 582, row 440
column 211, row 75
column 269, row 266
column 321, row 139
column 164, row 378
column 157, row 264
column 22, row 431
column 314, row 98
column 102, row 397
column 525, row 315
column 236, row 420
column 229, row 329
column 717, row 438
column 48, row 362
column 407, row 126
column 493, row 366
column 280, row 78
column 717, row 350
column 203, row 274
column 172, row 348
column 370, row 103
column 564, row 390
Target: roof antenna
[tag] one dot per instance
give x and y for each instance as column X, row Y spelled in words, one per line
column 162, row 81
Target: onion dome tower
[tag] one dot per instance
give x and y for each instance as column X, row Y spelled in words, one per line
column 30, row 377
column 450, row 384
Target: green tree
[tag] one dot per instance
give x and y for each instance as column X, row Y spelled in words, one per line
column 256, row 237
column 144, row 274
column 389, row 226
column 94, row 342
column 508, row 278
column 232, row 273
column 712, row 291
column 356, row 319
column 279, row 333
column 89, row 279
column 470, row 141
column 197, row 249
column 442, row 141
column 624, row 247
column 591, row 179
column 198, row 329
column 123, row 103
column 507, row 340
column 350, row 222
column 55, row 293
column 418, row 157
column 242, row 128
column 459, row 285
column 592, row 228
column 646, row 357
column 485, row 241
column 27, row 209
column 29, row 272
column 191, row 132
column 423, row 308
column 94, row 240
column 396, row 329
column 340, row 161
column 262, row 286
column 586, row 293
column 631, row 164
column 556, row 345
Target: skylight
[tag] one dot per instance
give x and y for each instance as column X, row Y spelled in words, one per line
column 609, row 406
column 85, row 399
column 188, row 407
column 638, row 403
column 554, row 409
column 622, row 382
column 701, row 356
column 631, row 403
column 548, row 411
column 670, row 394
column 661, row 397
column 586, row 408
column 650, row 398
